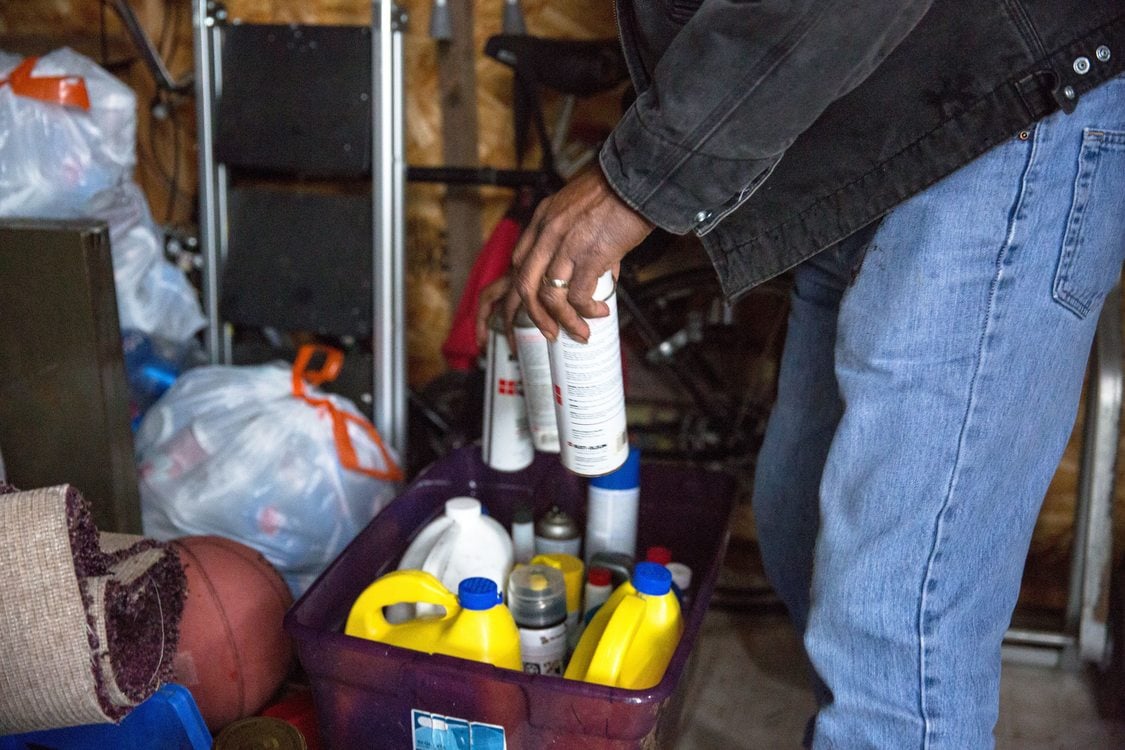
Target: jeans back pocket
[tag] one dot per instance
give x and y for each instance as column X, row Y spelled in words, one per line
column 1093, row 246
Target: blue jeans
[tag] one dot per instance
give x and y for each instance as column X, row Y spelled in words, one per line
column 929, row 383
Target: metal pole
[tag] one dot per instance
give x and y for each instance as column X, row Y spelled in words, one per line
column 399, row 150
column 212, row 177
column 387, row 262
column 1093, row 538
column 202, row 24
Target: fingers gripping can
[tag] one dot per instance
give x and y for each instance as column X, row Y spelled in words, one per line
column 590, row 394
column 535, row 366
column 506, row 439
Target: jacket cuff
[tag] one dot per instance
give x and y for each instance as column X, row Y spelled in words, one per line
column 678, row 189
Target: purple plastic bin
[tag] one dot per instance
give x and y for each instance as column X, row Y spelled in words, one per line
column 366, row 692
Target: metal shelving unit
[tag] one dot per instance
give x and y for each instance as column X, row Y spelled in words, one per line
column 385, row 169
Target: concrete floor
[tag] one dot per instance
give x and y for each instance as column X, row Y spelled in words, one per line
column 749, row 692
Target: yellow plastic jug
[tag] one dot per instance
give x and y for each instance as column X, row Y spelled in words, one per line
column 476, row 625
column 631, row 639
column 573, row 572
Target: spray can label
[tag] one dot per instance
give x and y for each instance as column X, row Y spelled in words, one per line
column 535, row 365
column 590, row 393
column 506, row 439
column 543, row 649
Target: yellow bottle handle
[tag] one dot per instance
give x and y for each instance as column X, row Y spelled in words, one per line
column 366, row 618
column 608, row 658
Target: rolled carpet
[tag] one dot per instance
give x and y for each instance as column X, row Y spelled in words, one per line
column 88, row 623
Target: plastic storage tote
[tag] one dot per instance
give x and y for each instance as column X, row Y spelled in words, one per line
column 374, row 695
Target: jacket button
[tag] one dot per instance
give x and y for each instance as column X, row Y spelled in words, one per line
column 702, row 216
column 1068, row 92
column 1082, row 65
column 1102, row 53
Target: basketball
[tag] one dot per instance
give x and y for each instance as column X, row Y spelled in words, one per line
column 233, row 653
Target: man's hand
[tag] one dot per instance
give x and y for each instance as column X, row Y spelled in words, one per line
column 575, row 236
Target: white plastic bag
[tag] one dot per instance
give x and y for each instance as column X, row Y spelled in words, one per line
column 65, row 162
column 257, row 455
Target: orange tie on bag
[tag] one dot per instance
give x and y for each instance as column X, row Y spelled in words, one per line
column 333, row 361
column 70, row 91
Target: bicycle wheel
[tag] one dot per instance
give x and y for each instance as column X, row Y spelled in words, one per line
column 702, row 372
column 444, row 415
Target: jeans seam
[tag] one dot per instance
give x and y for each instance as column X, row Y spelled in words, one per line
column 931, row 563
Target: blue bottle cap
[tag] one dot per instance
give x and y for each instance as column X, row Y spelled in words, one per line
column 478, row 594
column 652, row 579
column 625, row 477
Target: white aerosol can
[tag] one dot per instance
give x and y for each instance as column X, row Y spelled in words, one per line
column 506, row 440
column 611, row 509
column 590, row 392
column 535, row 365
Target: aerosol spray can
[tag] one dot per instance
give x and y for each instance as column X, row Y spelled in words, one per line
column 506, row 439
column 599, row 585
column 611, row 509
column 537, row 600
column 556, row 531
column 535, row 366
column 590, row 392
column 523, row 534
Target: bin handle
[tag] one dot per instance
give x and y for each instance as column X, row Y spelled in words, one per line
column 345, row 449
column 70, row 91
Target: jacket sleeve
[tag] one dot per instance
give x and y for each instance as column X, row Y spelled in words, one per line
column 734, row 88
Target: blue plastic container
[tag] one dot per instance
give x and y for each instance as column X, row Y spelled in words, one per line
column 169, row 720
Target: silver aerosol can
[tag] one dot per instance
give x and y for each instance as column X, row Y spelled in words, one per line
column 535, row 365
column 590, row 393
column 506, row 440
column 557, row 532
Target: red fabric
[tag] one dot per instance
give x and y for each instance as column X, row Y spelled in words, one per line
column 298, row 710
column 460, row 348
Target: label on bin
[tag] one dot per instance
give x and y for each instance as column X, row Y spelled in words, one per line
column 435, row 732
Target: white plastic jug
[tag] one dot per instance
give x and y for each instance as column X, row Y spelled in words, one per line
column 463, row 543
